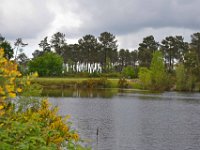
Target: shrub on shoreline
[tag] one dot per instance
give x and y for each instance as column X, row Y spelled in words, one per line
column 36, row 126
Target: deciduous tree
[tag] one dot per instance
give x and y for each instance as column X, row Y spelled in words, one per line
column 49, row 64
column 158, row 73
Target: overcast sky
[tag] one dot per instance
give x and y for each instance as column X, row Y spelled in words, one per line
column 129, row 20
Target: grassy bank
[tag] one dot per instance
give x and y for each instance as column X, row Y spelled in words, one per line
column 85, row 83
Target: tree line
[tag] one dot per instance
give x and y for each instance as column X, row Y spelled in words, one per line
column 103, row 50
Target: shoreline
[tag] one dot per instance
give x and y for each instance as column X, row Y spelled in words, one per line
column 93, row 83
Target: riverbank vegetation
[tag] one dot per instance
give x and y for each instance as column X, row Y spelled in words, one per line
column 172, row 64
column 27, row 122
column 86, row 82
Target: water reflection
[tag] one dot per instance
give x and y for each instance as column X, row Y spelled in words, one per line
column 90, row 93
column 99, row 125
column 135, row 121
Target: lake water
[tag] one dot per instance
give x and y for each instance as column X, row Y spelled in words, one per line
column 135, row 121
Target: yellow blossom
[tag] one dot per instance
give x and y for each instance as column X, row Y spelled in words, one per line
column 2, row 91
column 65, row 129
column 19, row 90
column 11, row 80
column 4, row 97
column 35, row 74
column 28, row 82
column 75, row 136
column 1, row 107
column 58, row 140
column 12, row 95
column 2, row 113
column 9, row 88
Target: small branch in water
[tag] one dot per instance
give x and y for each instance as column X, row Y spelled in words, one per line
column 97, row 134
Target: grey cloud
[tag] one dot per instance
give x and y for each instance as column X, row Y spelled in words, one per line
column 28, row 19
column 24, row 18
column 122, row 17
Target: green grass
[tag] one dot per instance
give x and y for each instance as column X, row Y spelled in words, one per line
column 48, row 82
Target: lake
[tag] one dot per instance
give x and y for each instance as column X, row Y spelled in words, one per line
column 134, row 120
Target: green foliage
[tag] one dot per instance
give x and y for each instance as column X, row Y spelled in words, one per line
column 95, row 83
column 145, row 51
column 108, row 52
column 128, row 72
column 32, row 129
column 89, row 47
column 93, row 75
column 135, row 84
column 145, row 77
column 45, row 45
column 184, row 80
column 22, row 61
column 181, row 78
column 122, row 83
column 174, row 48
column 7, row 48
column 49, row 83
column 34, row 126
column 158, row 74
column 190, row 84
column 195, row 44
column 22, row 134
column 108, row 66
column 29, row 98
column 104, row 83
column 49, row 64
column 58, row 42
column 191, row 64
column 155, row 78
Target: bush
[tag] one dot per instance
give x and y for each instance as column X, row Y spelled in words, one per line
column 158, row 73
column 35, row 129
column 184, row 81
column 36, row 126
column 145, row 77
column 128, row 72
column 154, row 78
column 122, row 83
column 180, row 78
column 95, row 83
column 49, row 64
column 135, row 84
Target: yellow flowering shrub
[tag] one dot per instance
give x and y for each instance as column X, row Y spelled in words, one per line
column 60, row 131
column 8, row 75
column 38, row 128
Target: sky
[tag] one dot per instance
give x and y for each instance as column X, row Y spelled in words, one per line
column 129, row 20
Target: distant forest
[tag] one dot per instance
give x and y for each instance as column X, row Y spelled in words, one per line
column 104, row 51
